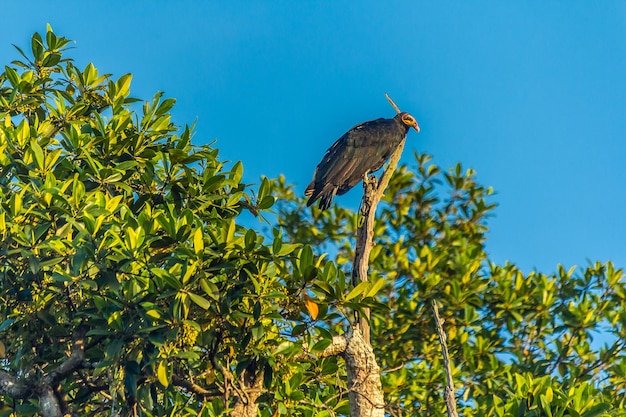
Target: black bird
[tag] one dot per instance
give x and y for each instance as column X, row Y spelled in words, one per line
column 360, row 151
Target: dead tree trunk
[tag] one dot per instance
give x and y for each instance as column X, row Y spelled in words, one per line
column 365, row 390
column 366, row 395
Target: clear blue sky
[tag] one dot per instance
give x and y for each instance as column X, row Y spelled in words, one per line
column 530, row 94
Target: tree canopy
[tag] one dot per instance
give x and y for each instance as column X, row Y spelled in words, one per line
column 135, row 278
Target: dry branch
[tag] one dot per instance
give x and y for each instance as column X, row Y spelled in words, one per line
column 449, row 394
column 392, row 103
column 194, row 388
column 373, row 192
column 365, row 388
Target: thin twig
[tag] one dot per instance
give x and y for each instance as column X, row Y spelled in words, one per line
column 449, row 394
column 392, row 103
column 194, row 388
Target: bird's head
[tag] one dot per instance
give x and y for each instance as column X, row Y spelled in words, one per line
column 409, row 120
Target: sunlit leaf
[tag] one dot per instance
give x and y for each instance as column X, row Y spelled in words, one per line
column 200, row 300
column 162, row 374
column 311, row 307
column 358, row 290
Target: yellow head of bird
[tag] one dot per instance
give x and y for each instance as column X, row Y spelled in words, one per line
column 410, row 121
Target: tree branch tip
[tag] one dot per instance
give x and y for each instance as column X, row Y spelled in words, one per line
column 392, row 103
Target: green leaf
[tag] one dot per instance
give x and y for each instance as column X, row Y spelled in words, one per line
column 266, row 202
column 98, row 332
column 210, row 289
column 250, row 239
column 200, row 300
column 37, row 47
column 165, row 106
column 237, row 172
column 277, row 244
column 122, row 86
column 13, row 76
column 321, row 345
column 296, row 395
column 358, row 290
column 376, row 286
column 597, row 410
column 287, row 248
column 23, row 133
column 38, row 154
column 167, row 277
column 257, row 331
column 306, row 257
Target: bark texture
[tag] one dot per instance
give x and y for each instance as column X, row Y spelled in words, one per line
column 365, row 389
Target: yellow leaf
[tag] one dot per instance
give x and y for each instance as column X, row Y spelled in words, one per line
column 3, row 353
column 312, row 308
column 162, row 374
column 198, row 241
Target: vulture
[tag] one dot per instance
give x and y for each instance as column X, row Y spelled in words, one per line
column 359, row 152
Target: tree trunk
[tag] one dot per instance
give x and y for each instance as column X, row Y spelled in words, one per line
column 366, row 394
column 365, row 389
column 251, row 388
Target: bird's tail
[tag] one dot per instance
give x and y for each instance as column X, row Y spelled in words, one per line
column 325, row 196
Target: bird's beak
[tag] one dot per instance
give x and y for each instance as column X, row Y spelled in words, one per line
column 416, row 127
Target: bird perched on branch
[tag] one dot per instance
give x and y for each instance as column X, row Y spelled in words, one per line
column 359, row 152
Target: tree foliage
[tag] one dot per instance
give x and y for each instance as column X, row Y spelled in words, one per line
column 535, row 344
column 134, row 278
column 119, row 233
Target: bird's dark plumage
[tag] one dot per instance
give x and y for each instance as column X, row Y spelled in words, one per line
column 361, row 150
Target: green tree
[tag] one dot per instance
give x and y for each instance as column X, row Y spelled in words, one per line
column 127, row 281
column 134, row 280
column 522, row 344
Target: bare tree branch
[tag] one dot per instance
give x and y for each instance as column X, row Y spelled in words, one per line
column 47, row 390
column 48, row 401
column 12, row 387
column 364, row 384
column 373, row 193
column 251, row 388
column 449, row 394
column 75, row 361
column 336, row 348
column 194, row 388
column 392, row 103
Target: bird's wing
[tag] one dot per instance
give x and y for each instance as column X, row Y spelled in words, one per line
column 363, row 148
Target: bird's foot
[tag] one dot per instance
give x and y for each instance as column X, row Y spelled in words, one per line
column 369, row 181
